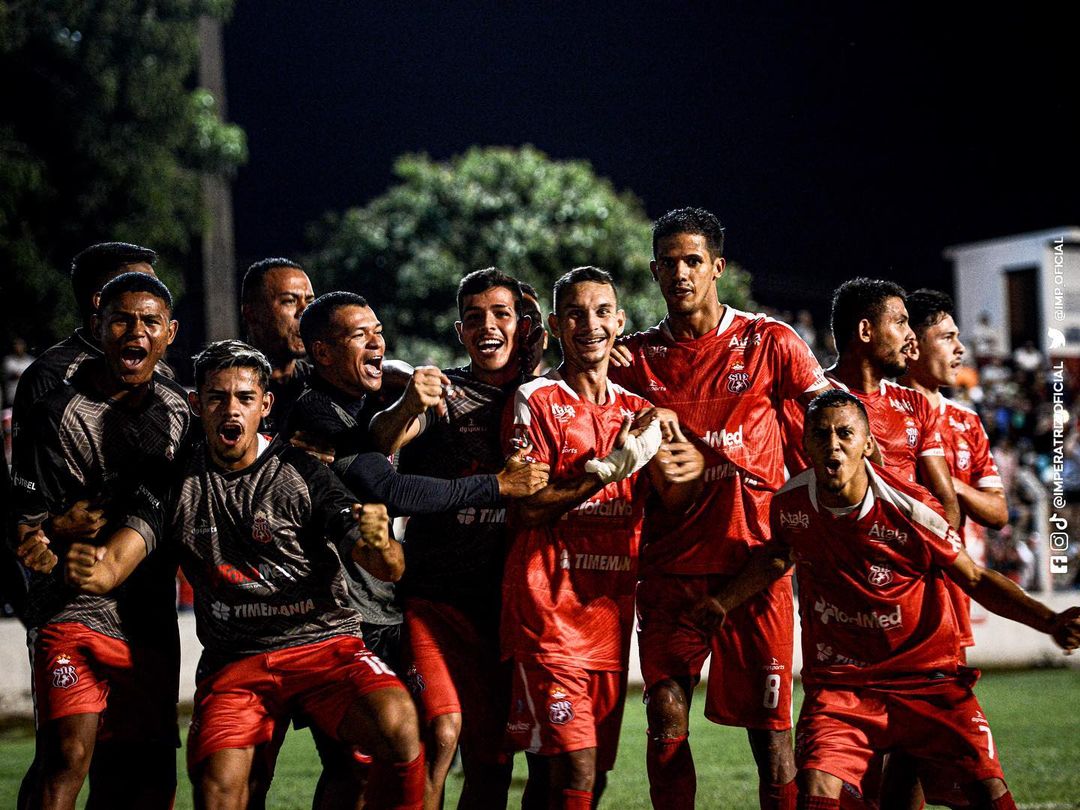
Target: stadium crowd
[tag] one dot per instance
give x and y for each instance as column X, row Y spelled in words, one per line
column 678, row 475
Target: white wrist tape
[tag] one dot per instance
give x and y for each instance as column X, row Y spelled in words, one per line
column 628, row 459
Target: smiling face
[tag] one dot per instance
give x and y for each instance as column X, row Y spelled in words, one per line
column 135, row 330
column 350, row 357
column 273, row 316
column 687, row 272
column 940, row 354
column 231, row 403
column 837, row 439
column 891, row 338
column 488, row 331
column 587, row 323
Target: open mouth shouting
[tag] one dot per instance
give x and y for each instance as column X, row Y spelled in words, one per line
column 132, row 357
column 489, row 346
column 372, row 365
column 230, row 433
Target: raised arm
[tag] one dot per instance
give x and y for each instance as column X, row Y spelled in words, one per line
column 1005, row 598
column 399, row 424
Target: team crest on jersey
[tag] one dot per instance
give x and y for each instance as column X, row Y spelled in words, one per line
column 963, row 456
column 794, row 520
column 63, row 673
column 561, row 712
column 738, row 380
column 466, row 515
column 879, row 575
column 912, row 434
column 260, row 528
column 563, row 413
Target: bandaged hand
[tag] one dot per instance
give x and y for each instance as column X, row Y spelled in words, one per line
column 631, row 453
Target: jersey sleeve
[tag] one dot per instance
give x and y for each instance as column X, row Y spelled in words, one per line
column 44, row 482
column 528, row 424
column 984, row 470
column 797, row 370
column 930, row 435
column 371, row 477
column 146, row 512
column 331, row 503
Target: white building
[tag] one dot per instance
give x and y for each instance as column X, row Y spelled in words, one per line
column 1028, row 285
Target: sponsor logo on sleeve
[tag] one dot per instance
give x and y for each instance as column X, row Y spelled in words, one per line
column 901, row 405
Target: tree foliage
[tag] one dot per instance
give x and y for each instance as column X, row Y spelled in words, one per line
column 102, row 137
column 516, row 209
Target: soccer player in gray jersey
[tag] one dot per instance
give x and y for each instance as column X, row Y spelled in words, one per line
column 264, row 533
column 346, row 343
column 454, row 558
column 93, row 440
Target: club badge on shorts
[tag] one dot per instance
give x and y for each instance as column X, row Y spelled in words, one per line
column 64, row 675
column 560, row 710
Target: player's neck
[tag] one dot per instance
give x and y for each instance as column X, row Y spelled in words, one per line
column 131, row 396
column 700, row 322
column 857, row 373
column 854, row 492
column 283, row 370
column 590, row 384
column 498, row 378
column 932, row 391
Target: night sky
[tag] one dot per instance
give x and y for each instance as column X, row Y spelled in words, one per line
column 830, row 146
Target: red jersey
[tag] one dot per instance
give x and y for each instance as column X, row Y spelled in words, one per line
column 967, row 451
column 568, row 588
column 728, row 388
column 872, row 600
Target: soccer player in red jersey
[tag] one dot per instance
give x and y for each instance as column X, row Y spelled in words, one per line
column 727, row 374
column 882, row 666
column 568, row 589
column 262, row 530
column 873, row 338
column 975, row 476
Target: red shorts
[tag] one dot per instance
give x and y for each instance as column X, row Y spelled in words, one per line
column 558, row 709
column 76, row 670
column 750, row 671
column 240, row 704
column 840, row 729
column 453, row 668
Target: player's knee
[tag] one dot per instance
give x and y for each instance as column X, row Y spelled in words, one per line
column 445, row 732
column 819, row 783
column 667, row 710
column 398, row 727
column 991, row 789
column 221, row 789
column 70, row 756
column 581, row 770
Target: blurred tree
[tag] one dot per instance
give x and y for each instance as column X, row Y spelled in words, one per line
column 516, row 209
column 102, row 137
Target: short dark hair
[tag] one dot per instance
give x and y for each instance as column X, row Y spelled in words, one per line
column 690, row 220
column 580, row 275
column 926, row 307
column 254, row 275
column 479, row 281
column 529, row 290
column 134, row 282
column 315, row 320
column 90, row 268
column 231, row 354
column 835, row 398
column 859, row 298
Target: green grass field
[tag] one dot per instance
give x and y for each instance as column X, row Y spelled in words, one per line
column 1035, row 716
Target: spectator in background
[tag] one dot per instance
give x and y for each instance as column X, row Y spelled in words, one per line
column 14, row 365
column 1027, row 358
